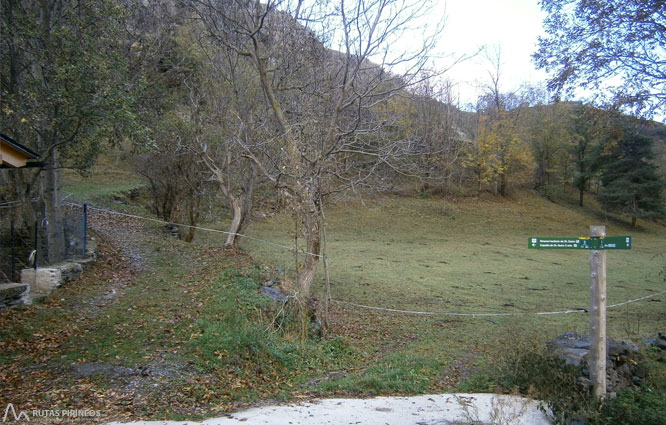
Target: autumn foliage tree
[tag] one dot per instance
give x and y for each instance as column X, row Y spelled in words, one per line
column 499, row 153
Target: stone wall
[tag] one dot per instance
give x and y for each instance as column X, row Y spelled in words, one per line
column 43, row 280
column 39, row 283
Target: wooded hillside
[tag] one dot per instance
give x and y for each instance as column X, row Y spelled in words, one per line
column 302, row 103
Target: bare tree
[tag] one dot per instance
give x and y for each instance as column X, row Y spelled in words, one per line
column 200, row 115
column 178, row 179
column 322, row 101
column 438, row 134
column 231, row 101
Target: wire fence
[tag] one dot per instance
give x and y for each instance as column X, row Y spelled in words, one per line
column 541, row 313
column 206, row 229
column 25, row 245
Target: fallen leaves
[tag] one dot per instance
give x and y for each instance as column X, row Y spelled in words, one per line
column 130, row 318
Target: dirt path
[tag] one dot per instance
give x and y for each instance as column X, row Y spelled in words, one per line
column 120, row 240
column 61, row 354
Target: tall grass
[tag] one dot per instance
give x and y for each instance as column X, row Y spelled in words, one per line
column 236, row 333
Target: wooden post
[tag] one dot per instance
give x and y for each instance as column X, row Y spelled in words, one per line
column 598, row 316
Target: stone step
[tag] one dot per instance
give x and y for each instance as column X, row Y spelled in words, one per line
column 12, row 294
column 43, row 280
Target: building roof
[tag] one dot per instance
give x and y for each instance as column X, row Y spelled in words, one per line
column 13, row 154
column 32, row 154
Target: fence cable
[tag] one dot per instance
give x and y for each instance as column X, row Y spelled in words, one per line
column 542, row 313
column 157, row 220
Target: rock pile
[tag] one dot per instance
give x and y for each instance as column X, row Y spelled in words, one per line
column 657, row 341
column 621, row 366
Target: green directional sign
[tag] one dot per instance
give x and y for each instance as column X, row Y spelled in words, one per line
column 616, row 242
column 598, row 242
column 555, row 243
column 584, row 242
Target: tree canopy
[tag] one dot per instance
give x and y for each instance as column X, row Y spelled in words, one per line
column 64, row 89
column 614, row 48
column 630, row 182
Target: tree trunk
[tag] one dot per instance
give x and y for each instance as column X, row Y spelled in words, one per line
column 312, row 220
column 232, row 239
column 305, row 194
column 22, row 188
column 55, row 232
column 581, row 192
column 478, row 180
column 193, row 216
column 313, row 243
column 502, row 184
column 634, row 208
column 242, row 209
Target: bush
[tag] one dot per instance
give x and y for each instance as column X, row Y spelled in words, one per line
column 526, row 367
column 529, row 369
column 552, row 192
column 636, row 406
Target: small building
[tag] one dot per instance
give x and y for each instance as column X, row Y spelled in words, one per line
column 15, row 155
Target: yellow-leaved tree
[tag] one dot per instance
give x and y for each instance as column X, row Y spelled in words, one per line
column 498, row 153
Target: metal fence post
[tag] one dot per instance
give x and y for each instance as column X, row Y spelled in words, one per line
column 85, row 228
column 36, row 244
column 12, row 254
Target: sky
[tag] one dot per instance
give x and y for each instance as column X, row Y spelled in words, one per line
column 510, row 25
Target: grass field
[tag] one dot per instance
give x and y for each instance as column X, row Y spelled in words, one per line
column 111, row 177
column 471, row 256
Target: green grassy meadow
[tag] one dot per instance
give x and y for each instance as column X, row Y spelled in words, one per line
column 110, row 177
column 471, row 256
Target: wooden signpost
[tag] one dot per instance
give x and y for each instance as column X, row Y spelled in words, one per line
column 597, row 243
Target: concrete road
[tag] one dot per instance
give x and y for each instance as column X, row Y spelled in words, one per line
column 442, row 409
